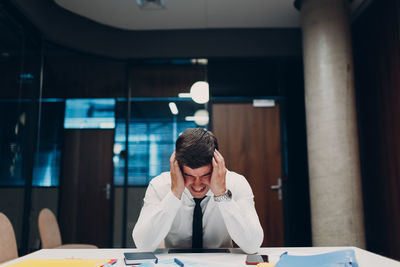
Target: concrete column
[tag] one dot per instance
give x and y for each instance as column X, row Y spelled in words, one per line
column 337, row 214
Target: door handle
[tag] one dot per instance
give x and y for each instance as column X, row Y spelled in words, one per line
column 278, row 187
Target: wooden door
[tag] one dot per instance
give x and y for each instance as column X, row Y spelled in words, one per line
column 249, row 139
column 85, row 187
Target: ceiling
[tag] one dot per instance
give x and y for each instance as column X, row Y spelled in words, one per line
column 119, row 29
column 187, row 14
column 190, row 14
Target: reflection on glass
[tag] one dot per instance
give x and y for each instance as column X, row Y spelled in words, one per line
column 13, row 140
column 89, row 114
column 47, row 166
column 153, row 130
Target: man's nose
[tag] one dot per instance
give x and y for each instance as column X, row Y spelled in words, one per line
column 197, row 181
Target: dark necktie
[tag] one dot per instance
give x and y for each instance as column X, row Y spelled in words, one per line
column 197, row 234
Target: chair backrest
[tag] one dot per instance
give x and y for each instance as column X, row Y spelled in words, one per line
column 8, row 244
column 48, row 229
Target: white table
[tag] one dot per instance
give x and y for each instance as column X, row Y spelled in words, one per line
column 236, row 258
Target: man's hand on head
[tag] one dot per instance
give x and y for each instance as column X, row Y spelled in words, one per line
column 218, row 177
column 177, row 181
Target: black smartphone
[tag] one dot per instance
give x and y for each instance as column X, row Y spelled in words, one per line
column 255, row 259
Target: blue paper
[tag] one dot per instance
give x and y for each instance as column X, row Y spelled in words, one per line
column 341, row 258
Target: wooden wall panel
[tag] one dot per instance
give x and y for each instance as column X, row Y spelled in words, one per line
column 71, row 74
column 164, row 80
column 376, row 42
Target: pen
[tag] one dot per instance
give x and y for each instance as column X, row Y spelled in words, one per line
column 113, row 261
column 178, row 262
column 110, row 263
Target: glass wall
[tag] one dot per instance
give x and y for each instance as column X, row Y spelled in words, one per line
column 153, row 130
column 19, row 91
column 45, row 89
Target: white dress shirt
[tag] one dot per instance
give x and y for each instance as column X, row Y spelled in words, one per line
column 165, row 217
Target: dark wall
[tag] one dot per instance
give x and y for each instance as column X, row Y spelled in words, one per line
column 376, row 41
column 71, row 74
column 244, row 76
column 19, row 55
column 164, row 80
column 297, row 203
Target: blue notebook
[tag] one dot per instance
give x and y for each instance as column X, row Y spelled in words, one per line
column 341, row 258
column 133, row 258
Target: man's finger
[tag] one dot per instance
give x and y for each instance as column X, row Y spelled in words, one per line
column 221, row 159
column 217, row 157
column 220, row 155
column 176, row 165
column 214, row 163
column 172, row 158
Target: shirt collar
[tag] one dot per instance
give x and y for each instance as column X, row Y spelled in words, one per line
column 189, row 195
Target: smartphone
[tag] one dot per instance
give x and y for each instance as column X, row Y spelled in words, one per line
column 255, row 259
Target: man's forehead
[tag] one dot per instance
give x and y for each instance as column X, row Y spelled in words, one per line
column 197, row 171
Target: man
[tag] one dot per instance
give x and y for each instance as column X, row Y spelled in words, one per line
column 199, row 203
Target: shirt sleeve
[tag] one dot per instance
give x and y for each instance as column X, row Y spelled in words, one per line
column 241, row 219
column 155, row 219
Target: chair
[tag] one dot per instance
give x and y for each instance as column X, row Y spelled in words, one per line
column 8, row 244
column 50, row 232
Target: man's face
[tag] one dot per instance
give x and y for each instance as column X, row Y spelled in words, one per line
column 197, row 181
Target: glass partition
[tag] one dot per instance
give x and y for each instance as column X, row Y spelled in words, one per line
column 153, row 130
column 19, row 91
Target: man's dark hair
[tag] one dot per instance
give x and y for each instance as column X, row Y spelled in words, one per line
column 195, row 148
